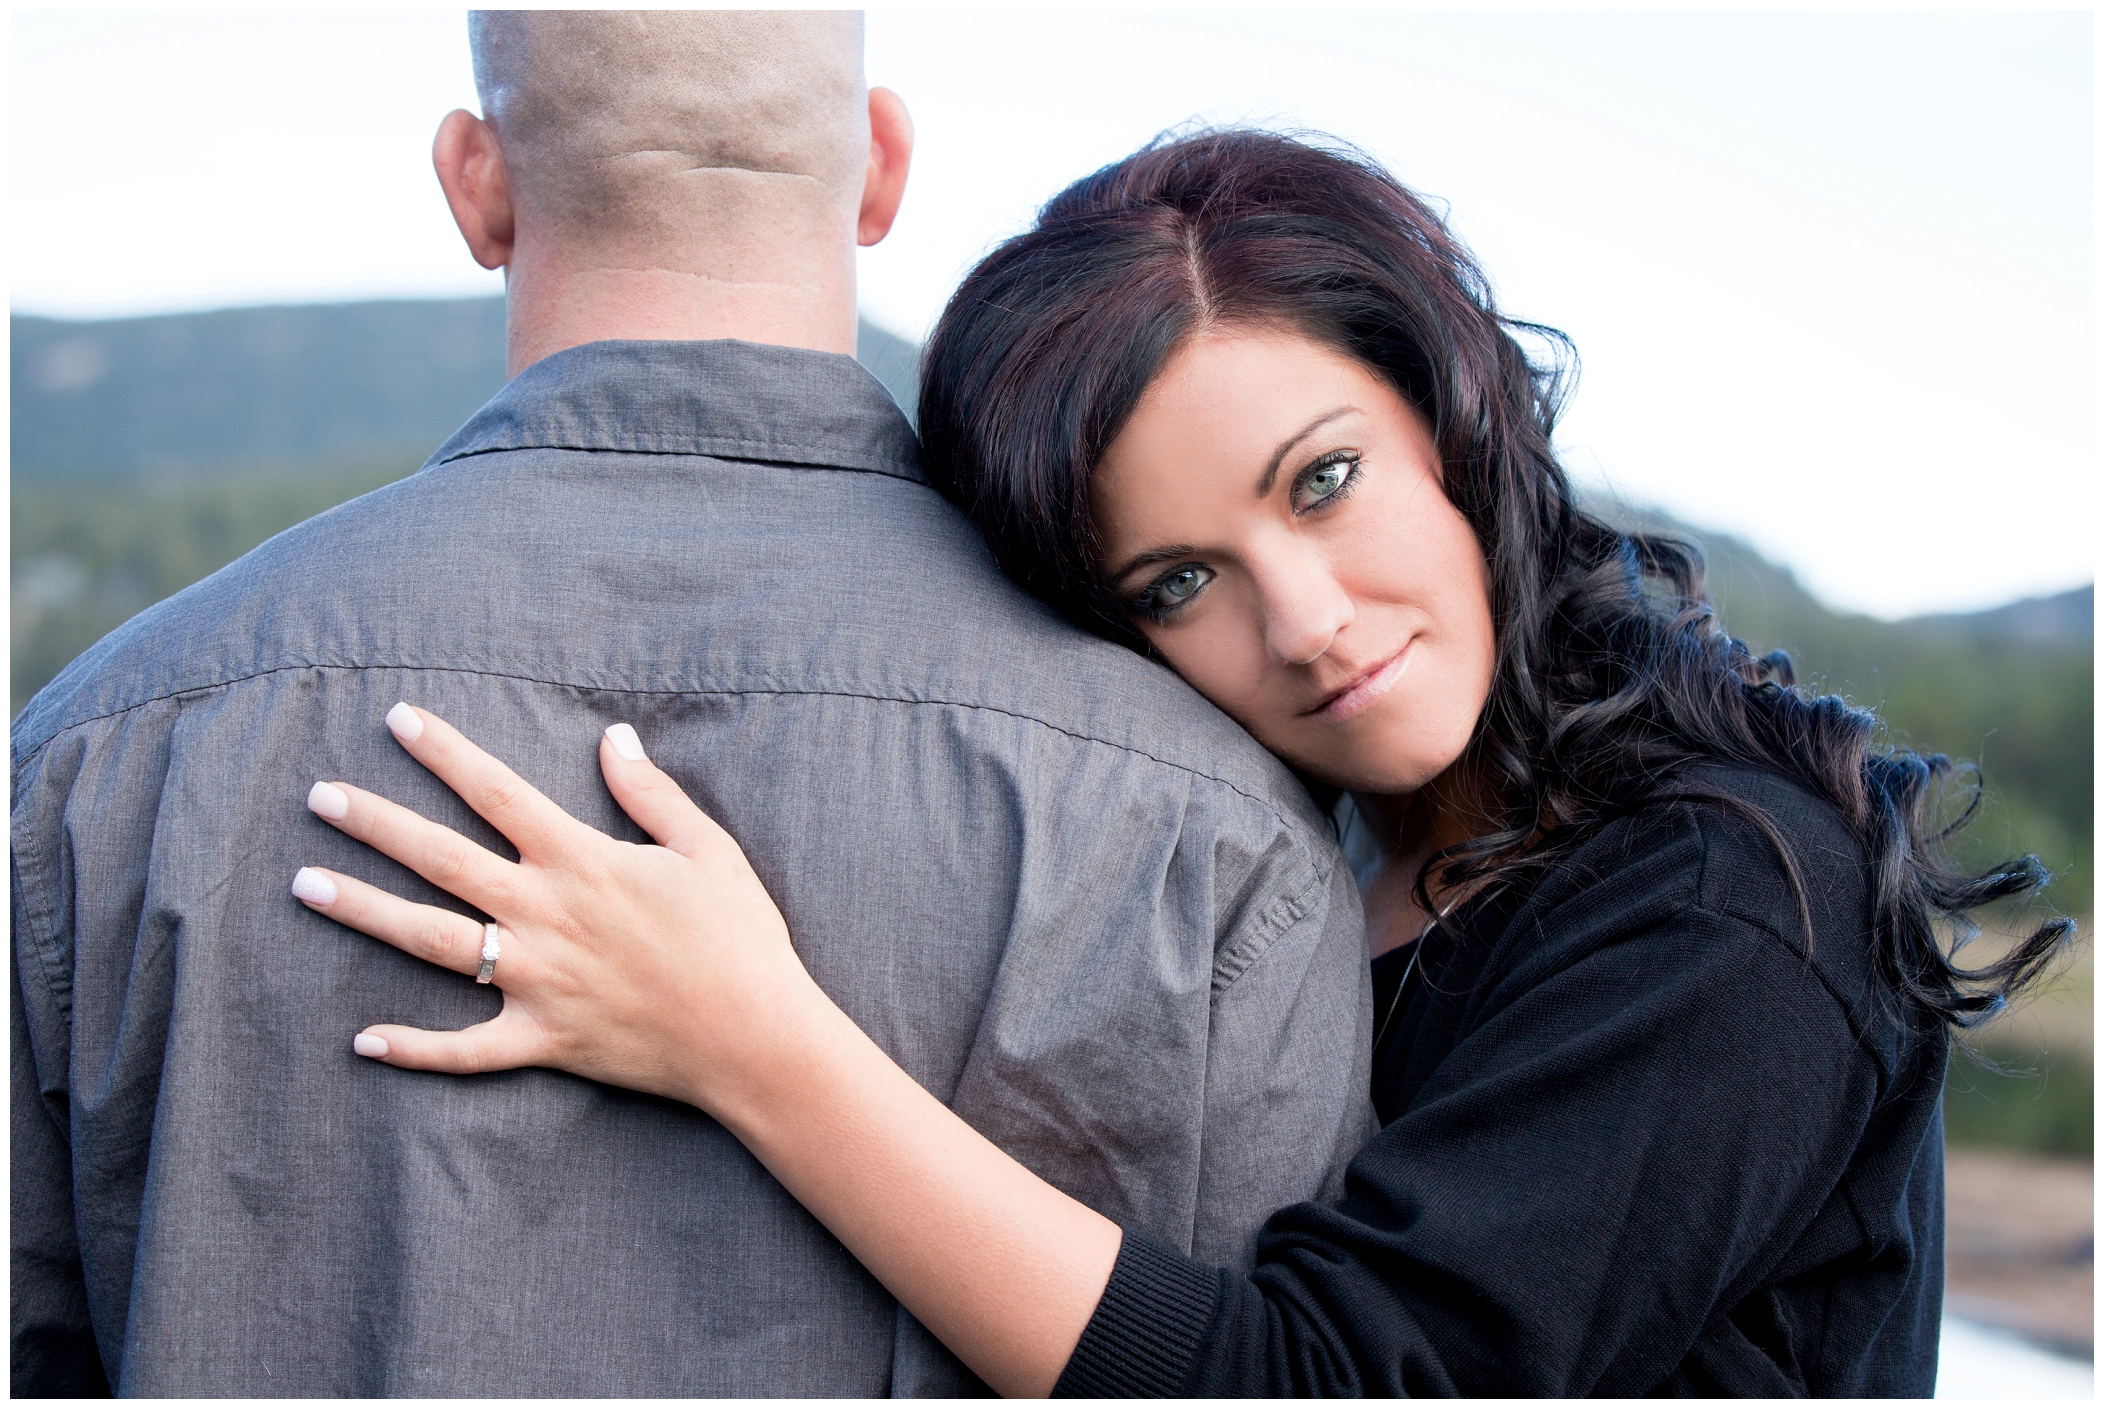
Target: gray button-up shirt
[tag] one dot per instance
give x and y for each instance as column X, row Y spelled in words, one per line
column 1065, row 893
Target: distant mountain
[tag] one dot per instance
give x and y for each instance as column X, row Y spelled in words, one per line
column 1764, row 602
column 249, row 389
column 2068, row 619
column 2010, row 688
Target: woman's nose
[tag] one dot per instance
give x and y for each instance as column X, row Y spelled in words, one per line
column 1304, row 607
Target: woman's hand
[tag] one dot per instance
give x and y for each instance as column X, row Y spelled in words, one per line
column 668, row 969
column 660, row 968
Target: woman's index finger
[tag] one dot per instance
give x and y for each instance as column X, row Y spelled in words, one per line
column 500, row 797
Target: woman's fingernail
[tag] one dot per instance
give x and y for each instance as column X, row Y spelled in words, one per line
column 625, row 741
column 328, row 800
column 313, row 887
column 408, row 726
column 367, row 1045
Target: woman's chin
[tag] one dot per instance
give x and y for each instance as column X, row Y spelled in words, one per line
column 1384, row 757
column 1384, row 776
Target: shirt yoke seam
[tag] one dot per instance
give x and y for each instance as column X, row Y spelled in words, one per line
column 29, row 759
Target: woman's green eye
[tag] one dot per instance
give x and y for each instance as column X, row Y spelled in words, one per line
column 1324, row 482
column 1172, row 589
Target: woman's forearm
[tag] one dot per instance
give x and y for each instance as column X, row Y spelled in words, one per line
column 1003, row 1268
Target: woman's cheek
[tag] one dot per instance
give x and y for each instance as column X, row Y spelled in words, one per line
column 1224, row 665
column 1263, row 710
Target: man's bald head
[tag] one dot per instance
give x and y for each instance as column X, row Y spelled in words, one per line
column 674, row 175
column 658, row 124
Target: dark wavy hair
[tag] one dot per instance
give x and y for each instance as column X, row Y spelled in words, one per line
column 1612, row 671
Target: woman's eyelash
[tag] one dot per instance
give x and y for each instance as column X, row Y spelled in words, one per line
column 1350, row 458
column 1155, row 600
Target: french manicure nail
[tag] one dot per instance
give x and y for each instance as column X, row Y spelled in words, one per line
column 327, row 800
column 407, row 725
column 367, row 1045
column 623, row 737
column 313, row 887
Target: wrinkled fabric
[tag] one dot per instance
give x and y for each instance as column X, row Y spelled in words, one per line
column 1065, row 893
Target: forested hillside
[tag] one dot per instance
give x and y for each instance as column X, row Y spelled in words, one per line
column 2010, row 689
column 258, row 389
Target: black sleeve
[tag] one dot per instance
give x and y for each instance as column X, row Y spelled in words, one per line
column 1617, row 1151
column 52, row 1350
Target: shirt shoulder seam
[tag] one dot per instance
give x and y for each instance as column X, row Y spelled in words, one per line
column 1708, row 835
column 1856, row 1026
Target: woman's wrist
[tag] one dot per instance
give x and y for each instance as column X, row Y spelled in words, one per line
column 759, row 1061
column 1001, row 1266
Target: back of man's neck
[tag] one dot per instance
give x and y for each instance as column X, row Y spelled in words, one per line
column 546, row 312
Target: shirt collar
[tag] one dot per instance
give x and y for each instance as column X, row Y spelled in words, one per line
column 727, row 399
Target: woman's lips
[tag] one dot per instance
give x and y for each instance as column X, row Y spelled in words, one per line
column 1362, row 693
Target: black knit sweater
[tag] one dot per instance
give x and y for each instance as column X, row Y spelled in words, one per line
column 1638, row 1139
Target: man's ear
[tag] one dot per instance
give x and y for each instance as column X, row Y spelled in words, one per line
column 471, row 171
column 890, row 153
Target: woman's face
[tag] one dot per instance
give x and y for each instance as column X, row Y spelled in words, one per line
column 1273, row 513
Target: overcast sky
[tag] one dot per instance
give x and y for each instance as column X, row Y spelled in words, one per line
column 1832, row 276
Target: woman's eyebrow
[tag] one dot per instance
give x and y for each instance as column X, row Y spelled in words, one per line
column 1278, row 456
column 1153, row 555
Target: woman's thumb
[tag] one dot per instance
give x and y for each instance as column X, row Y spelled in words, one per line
column 649, row 795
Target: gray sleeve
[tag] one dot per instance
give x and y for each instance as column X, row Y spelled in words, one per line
column 1288, row 1057
column 52, row 1351
column 1179, row 1037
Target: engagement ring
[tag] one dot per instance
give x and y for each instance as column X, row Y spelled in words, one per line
column 490, row 951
